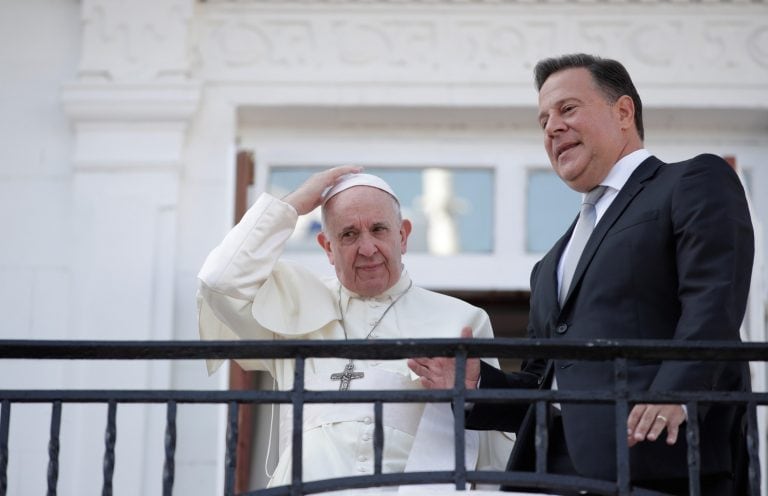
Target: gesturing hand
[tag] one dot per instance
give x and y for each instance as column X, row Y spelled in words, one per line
column 309, row 195
column 440, row 372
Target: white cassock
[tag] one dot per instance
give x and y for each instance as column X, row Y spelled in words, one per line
column 246, row 292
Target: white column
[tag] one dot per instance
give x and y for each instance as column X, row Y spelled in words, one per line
column 130, row 109
column 129, row 149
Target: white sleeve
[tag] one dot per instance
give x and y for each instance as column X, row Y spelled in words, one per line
column 247, row 255
column 245, row 292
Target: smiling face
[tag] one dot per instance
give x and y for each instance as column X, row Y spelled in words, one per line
column 365, row 239
column 584, row 133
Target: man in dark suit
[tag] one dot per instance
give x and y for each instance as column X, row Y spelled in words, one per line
column 670, row 257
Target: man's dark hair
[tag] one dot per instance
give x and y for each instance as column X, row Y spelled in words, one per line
column 609, row 75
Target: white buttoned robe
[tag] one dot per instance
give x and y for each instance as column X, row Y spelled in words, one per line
column 247, row 292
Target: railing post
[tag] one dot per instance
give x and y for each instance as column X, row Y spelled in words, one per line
column 378, row 436
column 169, row 467
column 694, row 458
column 110, row 437
column 231, row 455
column 542, row 436
column 622, row 413
column 297, row 400
column 459, row 400
column 753, row 449
column 5, row 423
column 53, row 449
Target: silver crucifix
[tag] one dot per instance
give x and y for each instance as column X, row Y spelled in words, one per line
column 347, row 376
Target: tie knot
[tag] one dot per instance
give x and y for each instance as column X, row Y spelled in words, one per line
column 592, row 197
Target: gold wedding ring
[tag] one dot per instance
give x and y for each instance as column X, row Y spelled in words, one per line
column 662, row 418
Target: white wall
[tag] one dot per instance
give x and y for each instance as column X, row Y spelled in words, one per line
column 39, row 48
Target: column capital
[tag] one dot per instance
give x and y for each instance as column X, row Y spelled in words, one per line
column 136, row 125
column 131, row 101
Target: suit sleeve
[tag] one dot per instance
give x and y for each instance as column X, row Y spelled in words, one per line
column 506, row 416
column 714, row 250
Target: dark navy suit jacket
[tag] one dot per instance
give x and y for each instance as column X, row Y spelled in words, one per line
column 671, row 258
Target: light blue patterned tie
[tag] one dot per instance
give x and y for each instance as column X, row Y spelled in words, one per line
column 581, row 233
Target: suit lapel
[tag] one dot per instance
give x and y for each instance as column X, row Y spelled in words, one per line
column 634, row 185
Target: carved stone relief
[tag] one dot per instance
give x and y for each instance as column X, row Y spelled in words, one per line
column 412, row 41
column 135, row 40
column 488, row 44
column 757, row 44
column 469, row 2
column 250, row 46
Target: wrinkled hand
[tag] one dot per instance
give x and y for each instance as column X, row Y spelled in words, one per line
column 309, row 195
column 440, row 372
column 647, row 421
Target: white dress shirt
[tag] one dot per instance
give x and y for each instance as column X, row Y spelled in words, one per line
column 615, row 180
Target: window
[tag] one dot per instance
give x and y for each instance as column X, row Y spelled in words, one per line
column 452, row 209
column 551, row 206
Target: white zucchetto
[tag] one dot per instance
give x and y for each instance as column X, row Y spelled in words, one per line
column 357, row 179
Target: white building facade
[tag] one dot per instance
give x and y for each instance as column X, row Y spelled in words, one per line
column 121, row 122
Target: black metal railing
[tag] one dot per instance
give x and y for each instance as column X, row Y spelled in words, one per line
column 617, row 351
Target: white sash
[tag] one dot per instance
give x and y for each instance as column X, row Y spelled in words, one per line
column 433, row 449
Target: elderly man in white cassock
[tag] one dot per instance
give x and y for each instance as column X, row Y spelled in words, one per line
column 246, row 291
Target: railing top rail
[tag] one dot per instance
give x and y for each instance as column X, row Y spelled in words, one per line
column 370, row 396
column 385, row 349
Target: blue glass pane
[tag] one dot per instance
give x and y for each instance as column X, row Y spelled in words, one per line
column 468, row 212
column 551, row 207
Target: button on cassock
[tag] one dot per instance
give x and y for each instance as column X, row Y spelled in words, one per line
column 562, row 328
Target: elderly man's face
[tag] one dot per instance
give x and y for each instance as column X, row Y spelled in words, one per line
column 365, row 239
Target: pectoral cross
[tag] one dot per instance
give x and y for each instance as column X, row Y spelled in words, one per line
column 347, row 376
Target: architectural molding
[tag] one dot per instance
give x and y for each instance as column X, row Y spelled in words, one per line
column 382, row 52
column 475, row 43
column 441, row 3
column 158, row 101
column 140, row 126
